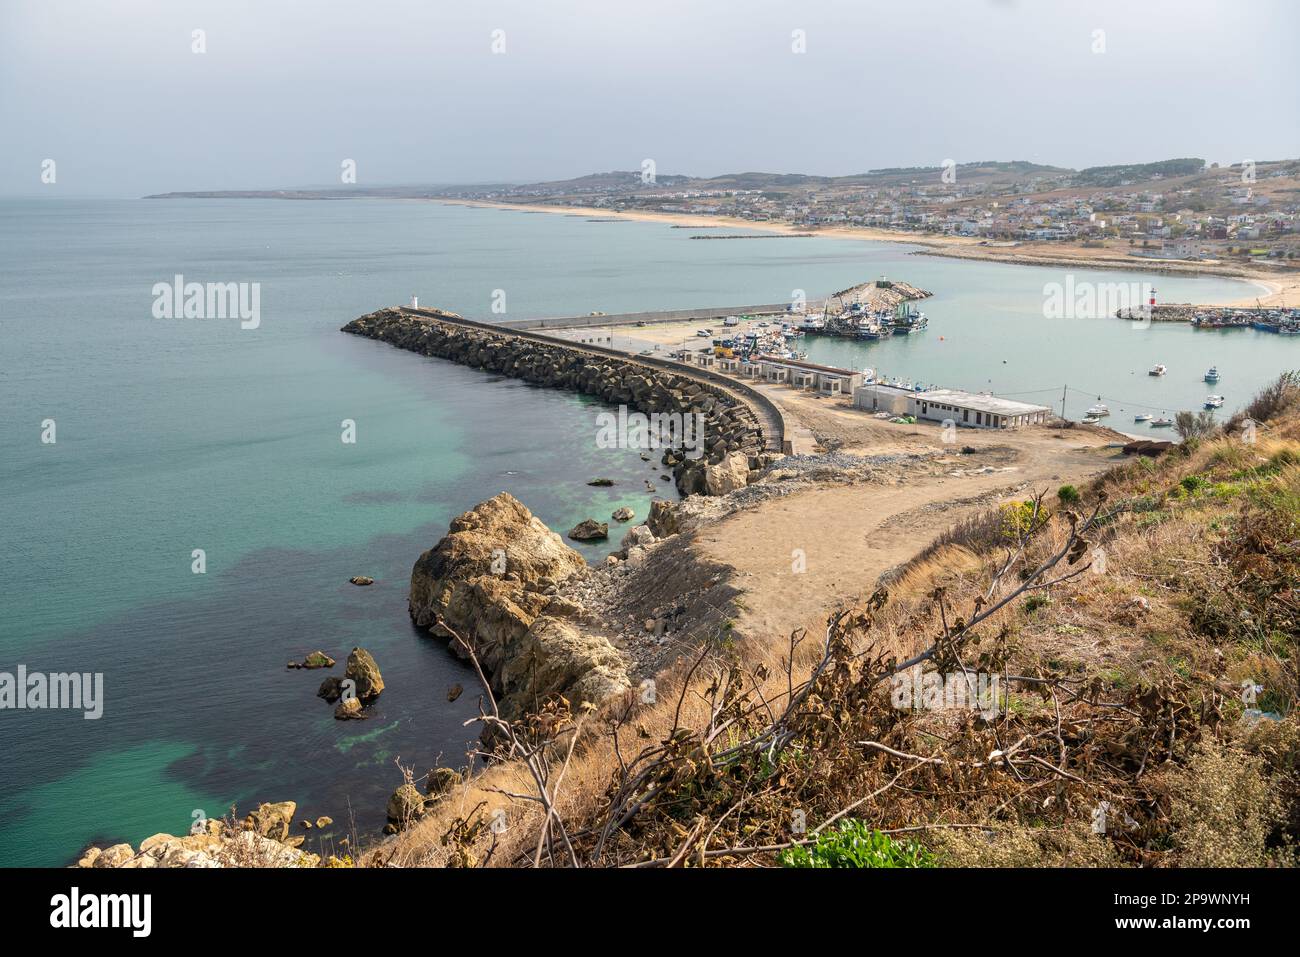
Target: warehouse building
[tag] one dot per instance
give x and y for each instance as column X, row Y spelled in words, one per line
column 979, row 410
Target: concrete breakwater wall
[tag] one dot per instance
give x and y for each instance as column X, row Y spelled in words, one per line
column 732, row 445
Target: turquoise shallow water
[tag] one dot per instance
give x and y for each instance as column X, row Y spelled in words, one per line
column 174, row 435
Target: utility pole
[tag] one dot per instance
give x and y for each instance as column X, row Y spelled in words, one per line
column 1064, row 389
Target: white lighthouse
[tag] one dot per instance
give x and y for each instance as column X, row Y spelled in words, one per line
column 415, row 301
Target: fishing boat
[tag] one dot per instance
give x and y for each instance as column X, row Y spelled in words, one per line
column 1214, row 401
column 1091, row 420
column 1161, row 423
column 907, row 320
column 1143, row 417
column 1098, row 410
column 1157, row 369
column 868, row 329
column 1212, row 375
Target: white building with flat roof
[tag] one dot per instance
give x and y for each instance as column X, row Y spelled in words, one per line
column 979, row 410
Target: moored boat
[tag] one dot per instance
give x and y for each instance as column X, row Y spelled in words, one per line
column 1212, row 375
column 1214, row 401
column 1143, row 417
column 1157, row 369
column 1161, row 423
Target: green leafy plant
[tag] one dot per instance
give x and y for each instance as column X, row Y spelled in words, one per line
column 853, row 844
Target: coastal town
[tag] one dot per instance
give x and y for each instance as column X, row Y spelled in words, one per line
column 1180, row 209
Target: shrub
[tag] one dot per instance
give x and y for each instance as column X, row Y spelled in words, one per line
column 1068, row 494
column 853, row 844
column 1195, row 425
column 1275, row 398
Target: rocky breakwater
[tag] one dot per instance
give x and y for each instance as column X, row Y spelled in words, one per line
column 493, row 580
column 728, row 451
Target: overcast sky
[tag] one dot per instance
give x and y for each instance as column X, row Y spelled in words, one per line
column 413, row 92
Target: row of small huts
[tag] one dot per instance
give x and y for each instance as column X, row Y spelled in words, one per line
column 977, row 410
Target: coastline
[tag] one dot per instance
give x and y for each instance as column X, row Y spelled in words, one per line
column 1282, row 288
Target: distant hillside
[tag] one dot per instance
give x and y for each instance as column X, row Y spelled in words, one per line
column 1138, row 172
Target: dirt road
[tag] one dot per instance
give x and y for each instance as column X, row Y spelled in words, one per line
column 797, row 558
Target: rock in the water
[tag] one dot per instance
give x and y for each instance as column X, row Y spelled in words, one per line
column 361, row 580
column 455, row 692
column 588, row 530
column 348, row 709
column 324, row 821
column 601, row 482
column 331, row 689
column 405, row 807
column 363, row 670
column 317, row 659
column 623, row 514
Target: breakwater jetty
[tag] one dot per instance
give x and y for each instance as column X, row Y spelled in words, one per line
column 1270, row 319
column 742, row 430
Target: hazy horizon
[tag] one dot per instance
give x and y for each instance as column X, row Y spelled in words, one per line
column 415, row 94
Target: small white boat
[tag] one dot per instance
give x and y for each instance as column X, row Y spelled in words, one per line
column 1161, row 423
column 1098, row 410
column 1212, row 375
column 1091, row 420
column 1143, row 417
column 1213, row 401
column 1157, row 369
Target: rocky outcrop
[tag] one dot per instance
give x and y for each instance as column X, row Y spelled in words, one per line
column 730, row 425
column 364, row 672
column 407, row 805
column 492, row 580
column 663, row 519
column 270, row 820
column 262, row 841
column 317, row 659
column 624, row 514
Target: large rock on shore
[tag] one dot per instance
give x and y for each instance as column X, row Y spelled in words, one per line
column 663, row 520
column 728, row 475
column 492, row 580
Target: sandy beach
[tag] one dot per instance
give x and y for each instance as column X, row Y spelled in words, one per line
column 1283, row 285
